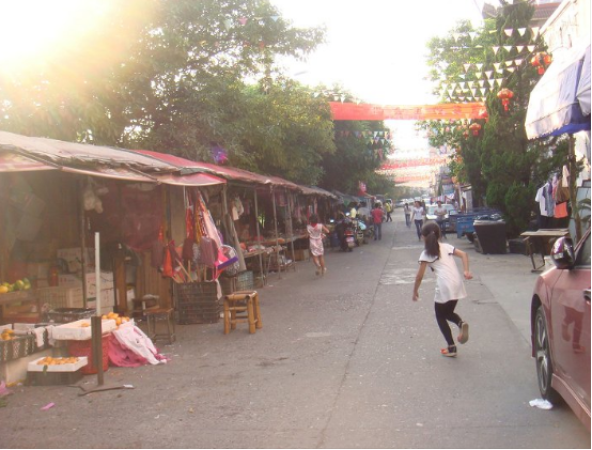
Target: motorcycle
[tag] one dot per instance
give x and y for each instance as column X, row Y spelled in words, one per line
column 350, row 240
column 360, row 231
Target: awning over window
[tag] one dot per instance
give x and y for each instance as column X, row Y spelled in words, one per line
column 583, row 93
column 560, row 102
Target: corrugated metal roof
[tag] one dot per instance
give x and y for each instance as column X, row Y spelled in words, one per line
column 11, row 162
column 73, row 154
column 234, row 174
column 22, row 153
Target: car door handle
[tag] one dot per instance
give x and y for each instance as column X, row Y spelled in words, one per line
column 587, row 294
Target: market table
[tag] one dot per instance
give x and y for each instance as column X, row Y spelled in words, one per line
column 542, row 239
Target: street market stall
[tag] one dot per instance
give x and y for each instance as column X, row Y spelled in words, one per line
column 54, row 196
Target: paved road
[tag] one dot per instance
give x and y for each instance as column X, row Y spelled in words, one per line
column 346, row 361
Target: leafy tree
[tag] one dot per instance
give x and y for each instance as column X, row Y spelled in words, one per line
column 159, row 74
column 357, row 156
column 500, row 163
column 286, row 131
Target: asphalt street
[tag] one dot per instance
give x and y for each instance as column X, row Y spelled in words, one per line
column 343, row 361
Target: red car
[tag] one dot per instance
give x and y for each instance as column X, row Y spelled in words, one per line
column 560, row 327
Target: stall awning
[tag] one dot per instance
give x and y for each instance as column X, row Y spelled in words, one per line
column 228, row 173
column 583, row 94
column 11, row 162
column 183, row 178
column 558, row 101
column 74, row 155
column 314, row 190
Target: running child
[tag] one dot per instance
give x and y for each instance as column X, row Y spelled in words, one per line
column 315, row 234
column 450, row 288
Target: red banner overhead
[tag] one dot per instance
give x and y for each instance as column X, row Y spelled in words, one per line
column 446, row 111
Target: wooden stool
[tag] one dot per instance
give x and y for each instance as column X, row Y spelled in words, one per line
column 162, row 314
column 140, row 305
column 242, row 307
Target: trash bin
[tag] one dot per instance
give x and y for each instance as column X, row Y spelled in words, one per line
column 491, row 234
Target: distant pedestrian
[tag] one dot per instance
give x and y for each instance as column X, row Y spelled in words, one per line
column 353, row 212
column 315, row 233
column 377, row 217
column 388, row 207
column 440, row 213
column 417, row 215
column 407, row 211
column 449, row 284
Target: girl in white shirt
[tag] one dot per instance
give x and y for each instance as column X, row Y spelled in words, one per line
column 417, row 215
column 449, row 284
column 316, row 232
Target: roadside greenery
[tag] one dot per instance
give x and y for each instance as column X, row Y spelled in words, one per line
column 503, row 167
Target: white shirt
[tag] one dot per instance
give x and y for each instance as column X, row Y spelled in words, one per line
column 440, row 212
column 364, row 211
column 540, row 198
column 418, row 213
column 449, row 282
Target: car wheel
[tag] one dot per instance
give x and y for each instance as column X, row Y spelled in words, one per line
column 544, row 365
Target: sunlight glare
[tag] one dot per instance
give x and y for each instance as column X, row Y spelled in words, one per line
column 32, row 29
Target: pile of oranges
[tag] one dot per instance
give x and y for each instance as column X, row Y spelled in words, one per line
column 114, row 316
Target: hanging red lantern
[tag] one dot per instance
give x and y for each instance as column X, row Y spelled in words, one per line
column 475, row 127
column 541, row 61
column 535, row 62
column 505, row 95
column 483, row 114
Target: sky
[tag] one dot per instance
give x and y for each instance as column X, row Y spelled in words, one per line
column 376, row 49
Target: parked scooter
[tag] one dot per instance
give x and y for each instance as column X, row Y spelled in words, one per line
column 359, row 230
column 349, row 238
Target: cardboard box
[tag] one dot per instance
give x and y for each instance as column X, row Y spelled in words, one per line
column 74, row 281
column 74, row 298
column 34, row 366
column 73, row 257
column 74, row 331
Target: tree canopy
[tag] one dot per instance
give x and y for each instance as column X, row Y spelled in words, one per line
column 179, row 76
column 502, row 166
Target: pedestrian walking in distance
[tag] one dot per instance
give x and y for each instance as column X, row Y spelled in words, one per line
column 449, row 283
column 377, row 217
column 417, row 216
column 388, row 207
column 407, row 211
column 316, row 232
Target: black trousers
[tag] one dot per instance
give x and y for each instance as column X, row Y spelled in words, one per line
column 444, row 314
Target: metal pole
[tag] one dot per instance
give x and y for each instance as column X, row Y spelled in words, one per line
column 290, row 204
column 83, row 244
column 263, row 275
column 573, row 189
column 277, row 237
column 96, row 322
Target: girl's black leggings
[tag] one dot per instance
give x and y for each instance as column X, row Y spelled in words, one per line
column 444, row 314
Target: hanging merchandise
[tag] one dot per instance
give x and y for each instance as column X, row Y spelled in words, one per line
column 91, row 197
column 189, row 216
column 157, row 255
column 208, row 251
column 167, row 265
column 187, row 253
